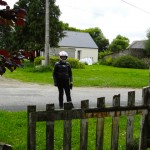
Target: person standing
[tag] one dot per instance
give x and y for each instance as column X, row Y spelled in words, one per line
column 62, row 76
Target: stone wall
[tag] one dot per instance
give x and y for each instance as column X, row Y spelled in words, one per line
column 139, row 53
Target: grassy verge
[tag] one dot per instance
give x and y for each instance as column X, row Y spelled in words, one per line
column 91, row 76
column 14, row 131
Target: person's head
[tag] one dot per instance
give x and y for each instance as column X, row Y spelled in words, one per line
column 63, row 56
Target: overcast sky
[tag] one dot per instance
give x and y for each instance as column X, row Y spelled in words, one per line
column 130, row 18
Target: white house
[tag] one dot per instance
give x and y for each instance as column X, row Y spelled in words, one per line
column 78, row 45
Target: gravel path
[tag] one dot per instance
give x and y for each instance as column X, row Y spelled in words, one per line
column 16, row 96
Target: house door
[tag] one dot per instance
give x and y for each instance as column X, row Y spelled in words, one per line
column 79, row 55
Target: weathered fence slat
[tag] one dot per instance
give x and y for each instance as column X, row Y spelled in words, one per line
column 50, row 129
column 67, row 128
column 130, row 121
column 31, row 128
column 115, row 124
column 145, row 125
column 100, row 125
column 84, row 127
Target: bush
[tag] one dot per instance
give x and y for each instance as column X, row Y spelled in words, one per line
column 101, row 55
column 108, row 61
column 53, row 60
column 38, row 60
column 74, row 63
column 128, row 62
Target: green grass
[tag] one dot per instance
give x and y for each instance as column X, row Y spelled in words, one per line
column 91, row 76
column 13, row 125
column 14, row 131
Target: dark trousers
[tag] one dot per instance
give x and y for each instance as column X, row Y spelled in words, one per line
column 63, row 85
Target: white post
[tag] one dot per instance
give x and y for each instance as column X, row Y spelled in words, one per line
column 47, row 33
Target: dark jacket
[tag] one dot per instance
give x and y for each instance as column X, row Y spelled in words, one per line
column 62, row 71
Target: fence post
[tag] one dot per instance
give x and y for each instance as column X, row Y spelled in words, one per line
column 100, row 125
column 145, row 121
column 50, row 129
column 130, row 121
column 31, row 131
column 84, row 127
column 4, row 146
column 67, row 127
column 115, row 124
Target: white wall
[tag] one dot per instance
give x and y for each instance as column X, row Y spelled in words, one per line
column 87, row 53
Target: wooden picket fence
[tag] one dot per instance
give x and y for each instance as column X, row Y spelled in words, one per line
column 84, row 113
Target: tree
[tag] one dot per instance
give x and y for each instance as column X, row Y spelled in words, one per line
column 33, row 35
column 119, row 43
column 147, row 43
column 99, row 38
column 9, row 17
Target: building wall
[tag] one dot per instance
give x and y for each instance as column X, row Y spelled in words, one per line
column 55, row 51
column 74, row 53
column 87, row 53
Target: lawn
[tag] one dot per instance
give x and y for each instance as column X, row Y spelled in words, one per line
column 13, row 127
column 91, row 76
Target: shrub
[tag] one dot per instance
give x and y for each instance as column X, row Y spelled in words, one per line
column 108, row 61
column 128, row 62
column 74, row 63
column 38, row 60
column 53, row 60
column 102, row 54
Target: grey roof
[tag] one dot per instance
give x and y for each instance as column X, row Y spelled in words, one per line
column 77, row 39
column 137, row 45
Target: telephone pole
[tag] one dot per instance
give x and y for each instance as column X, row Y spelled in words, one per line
column 47, row 45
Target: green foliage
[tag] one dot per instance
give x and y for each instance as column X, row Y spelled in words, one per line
column 119, row 43
column 31, row 36
column 38, row 60
column 53, row 60
column 101, row 55
column 129, row 62
column 108, row 61
column 99, row 38
column 74, row 63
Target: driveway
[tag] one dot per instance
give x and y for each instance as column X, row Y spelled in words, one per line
column 16, row 96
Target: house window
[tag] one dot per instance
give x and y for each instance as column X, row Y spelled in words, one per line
column 79, row 55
